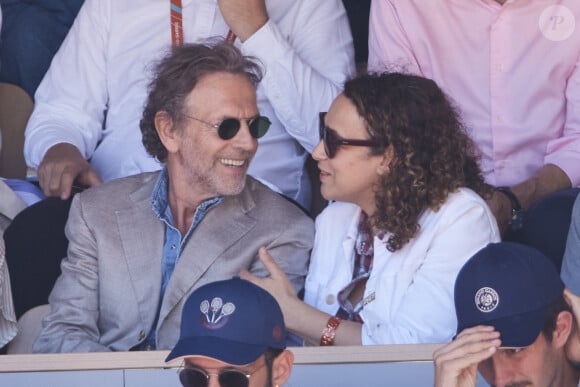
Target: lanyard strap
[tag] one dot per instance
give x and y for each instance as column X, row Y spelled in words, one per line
column 177, row 25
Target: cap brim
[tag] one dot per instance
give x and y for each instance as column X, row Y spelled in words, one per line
column 228, row 351
column 519, row 330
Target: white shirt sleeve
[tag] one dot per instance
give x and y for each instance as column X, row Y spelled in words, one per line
column 307, row 68
column 71, row 100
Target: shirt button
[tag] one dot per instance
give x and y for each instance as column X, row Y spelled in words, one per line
column 141, row 335
column 173, row 247
column 330, row 299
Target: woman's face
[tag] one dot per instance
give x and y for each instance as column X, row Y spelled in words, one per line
column 350, row 176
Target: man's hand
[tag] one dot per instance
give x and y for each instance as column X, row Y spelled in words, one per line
column 244, row 17
column 61, row 166
column 456, row 363
column 546, row 181
column 501, row 208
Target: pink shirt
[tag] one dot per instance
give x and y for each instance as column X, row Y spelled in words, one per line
column 512, row 70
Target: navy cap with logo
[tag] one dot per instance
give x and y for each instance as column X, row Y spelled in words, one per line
column 233, row 321
column 508, row 286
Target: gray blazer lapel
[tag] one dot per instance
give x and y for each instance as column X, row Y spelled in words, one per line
column 223, row 226
column 142, row 235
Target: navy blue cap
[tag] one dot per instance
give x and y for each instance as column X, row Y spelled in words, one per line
column 233, row 321
column 508, row 286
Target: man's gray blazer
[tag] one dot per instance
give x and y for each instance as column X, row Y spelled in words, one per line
column 108, row 294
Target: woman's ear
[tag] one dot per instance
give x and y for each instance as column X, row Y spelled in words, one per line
column 166, row 131
column 385, row 164
column 282, row 368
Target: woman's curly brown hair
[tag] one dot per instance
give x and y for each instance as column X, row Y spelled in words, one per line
column 433, row 155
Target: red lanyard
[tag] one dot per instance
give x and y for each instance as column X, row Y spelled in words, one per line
column 177, row 25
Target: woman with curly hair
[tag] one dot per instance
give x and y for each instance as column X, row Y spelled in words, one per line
column 407, row 214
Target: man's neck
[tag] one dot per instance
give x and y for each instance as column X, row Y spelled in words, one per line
column 501, row 2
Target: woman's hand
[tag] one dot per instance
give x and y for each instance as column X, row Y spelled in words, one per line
column 277, row 284
column 300, row 318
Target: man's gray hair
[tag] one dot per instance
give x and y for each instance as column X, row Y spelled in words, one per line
column 176, row 75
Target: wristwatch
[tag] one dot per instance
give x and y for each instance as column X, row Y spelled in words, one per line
column 518, row 213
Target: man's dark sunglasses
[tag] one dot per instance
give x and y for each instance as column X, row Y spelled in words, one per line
column 197, row 377
column 332, row 140
column 229, row 127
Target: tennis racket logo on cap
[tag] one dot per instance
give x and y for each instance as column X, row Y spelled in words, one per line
column 216, row 313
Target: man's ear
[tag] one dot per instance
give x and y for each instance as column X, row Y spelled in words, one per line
column 166, row 131
column 282, row 368
column 563, row 328
column 385, row 164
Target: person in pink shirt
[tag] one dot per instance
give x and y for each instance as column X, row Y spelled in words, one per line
column 511, row 67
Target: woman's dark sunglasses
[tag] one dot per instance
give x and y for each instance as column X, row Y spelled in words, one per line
column 332, row 140
column 229, row 127
column 197, row 377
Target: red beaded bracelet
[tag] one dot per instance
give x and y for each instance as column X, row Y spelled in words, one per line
column 329, row 331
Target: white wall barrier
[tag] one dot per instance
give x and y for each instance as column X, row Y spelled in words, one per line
column 389, row 365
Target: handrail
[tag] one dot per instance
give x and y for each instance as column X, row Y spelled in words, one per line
column 156, row 359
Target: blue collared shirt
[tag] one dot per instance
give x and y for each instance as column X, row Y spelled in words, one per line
column 174, row 243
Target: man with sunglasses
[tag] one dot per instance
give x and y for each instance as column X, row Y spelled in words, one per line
column 84, row 127
column 513, row 322
column 141, row 244
column 232, row 335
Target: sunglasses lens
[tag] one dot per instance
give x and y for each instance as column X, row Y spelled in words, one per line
column 326, row 137
column 233, row 379
column 228, row 128
column 259, row 126
column 190, row 377
column 329, row 142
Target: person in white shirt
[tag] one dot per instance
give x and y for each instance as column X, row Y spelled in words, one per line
column 85, row 126
column 89, row 104
column 407, row 216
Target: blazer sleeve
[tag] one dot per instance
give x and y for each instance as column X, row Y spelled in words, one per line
column 290, row 249
column 71, row 325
